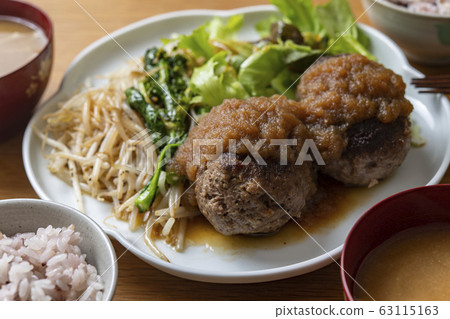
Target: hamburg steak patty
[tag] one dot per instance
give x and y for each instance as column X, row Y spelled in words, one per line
column 234, row 200
column 374, row 151
column 357, row 113
column 232, row 194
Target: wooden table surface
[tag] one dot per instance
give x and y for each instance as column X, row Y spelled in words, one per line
column 74, row 30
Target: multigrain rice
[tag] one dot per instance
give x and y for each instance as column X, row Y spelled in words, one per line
column 441, row 7
column 46, row 265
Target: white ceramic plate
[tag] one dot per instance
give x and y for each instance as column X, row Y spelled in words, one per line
column 422, row 166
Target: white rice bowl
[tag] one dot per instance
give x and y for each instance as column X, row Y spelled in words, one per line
column 47, row 265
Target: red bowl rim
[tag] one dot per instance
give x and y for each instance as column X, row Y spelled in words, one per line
column 48, row 32
column 348, row 294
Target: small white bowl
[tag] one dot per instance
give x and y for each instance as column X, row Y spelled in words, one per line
column 425, row 37
column 27, row 215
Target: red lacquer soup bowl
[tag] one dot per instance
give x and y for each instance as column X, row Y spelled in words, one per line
column 412, row 208
column 21, row 88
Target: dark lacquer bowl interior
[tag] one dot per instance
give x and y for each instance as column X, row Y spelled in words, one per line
column 21, row 89
column 411, row 208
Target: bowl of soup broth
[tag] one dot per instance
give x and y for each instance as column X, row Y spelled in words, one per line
column 399, row 250
column 26, row 55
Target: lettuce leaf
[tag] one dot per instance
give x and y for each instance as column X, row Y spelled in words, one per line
column 332, row 23
column 345, row 37
column 300, row 13
column 286, row 83
column 244, row 69
column 197, row 42
column 363, row 38
column 337, row 17
column 219, row 30
column 257, row 71
column 263, row 26
column 347, row 44
column 223, row 35
column 215, row 81
column 261, row 67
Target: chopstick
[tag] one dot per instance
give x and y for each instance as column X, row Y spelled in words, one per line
column 437, row 83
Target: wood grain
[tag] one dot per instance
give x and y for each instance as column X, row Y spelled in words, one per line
column 74, row 30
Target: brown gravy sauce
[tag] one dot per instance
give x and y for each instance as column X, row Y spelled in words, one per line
column 412, row 265
column 20, row 42
column 334, row 202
